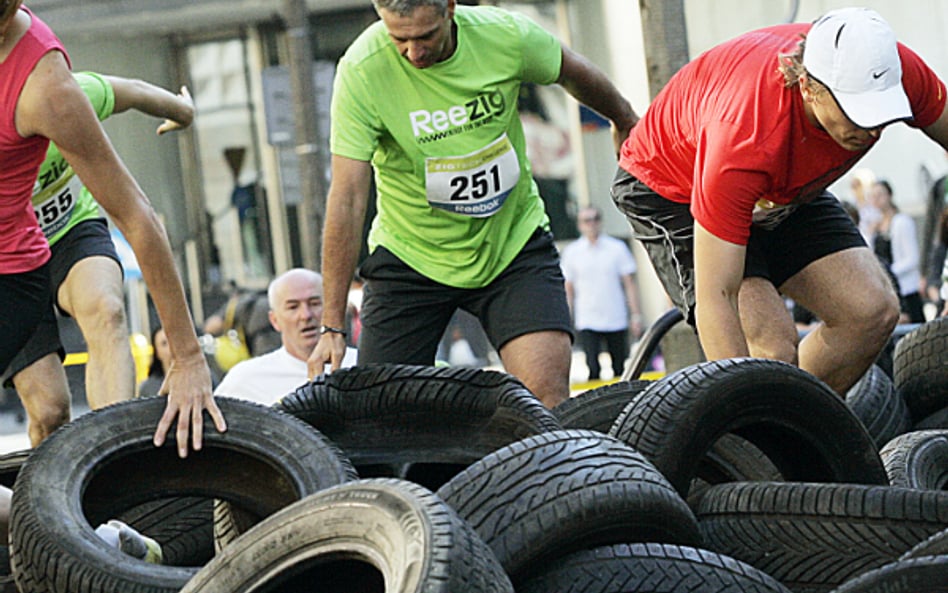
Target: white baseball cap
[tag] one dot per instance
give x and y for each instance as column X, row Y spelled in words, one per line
column 853, row 52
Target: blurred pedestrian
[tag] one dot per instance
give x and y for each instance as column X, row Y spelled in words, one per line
column 602, row 293
column 895, row 242
column 296, row 309
column 160, row 361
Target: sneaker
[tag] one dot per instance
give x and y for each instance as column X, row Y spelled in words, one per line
column 130, row 541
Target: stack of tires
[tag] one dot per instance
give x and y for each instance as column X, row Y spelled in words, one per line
column 739, row 475
column 784, row 476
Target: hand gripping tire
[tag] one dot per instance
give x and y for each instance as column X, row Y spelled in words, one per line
column 105, row 463
column 798, row 422
column 384, row 535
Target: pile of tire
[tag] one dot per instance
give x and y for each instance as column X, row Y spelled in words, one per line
column 742, row 475
column 819, row 493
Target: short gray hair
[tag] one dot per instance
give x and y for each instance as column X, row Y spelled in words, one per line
column 277, row 282
column 406, row 7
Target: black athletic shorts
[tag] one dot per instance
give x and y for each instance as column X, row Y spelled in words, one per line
column 404, row 313
column 87, row 239
column 26, row 303
column 666, row 229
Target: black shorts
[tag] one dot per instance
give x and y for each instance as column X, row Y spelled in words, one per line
column 87, row 239
column 26, row 303
column 404, row 313
column 666, row 229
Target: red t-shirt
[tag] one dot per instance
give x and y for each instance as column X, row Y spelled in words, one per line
column 726, row 133
column 22, row 244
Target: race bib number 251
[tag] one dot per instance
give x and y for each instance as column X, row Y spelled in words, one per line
column 475, row 184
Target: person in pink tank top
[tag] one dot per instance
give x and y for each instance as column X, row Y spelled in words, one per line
column 40, row 102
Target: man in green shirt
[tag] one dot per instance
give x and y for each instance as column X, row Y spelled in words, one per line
column 87, row 279
column 427, row 98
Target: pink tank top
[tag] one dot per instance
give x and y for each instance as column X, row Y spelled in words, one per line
column 22, row 244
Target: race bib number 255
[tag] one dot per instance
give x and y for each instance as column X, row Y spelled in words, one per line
column 475, row 184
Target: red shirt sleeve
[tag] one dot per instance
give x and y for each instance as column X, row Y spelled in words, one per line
column 926, row 92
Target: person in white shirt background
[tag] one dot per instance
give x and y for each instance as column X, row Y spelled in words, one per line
column 895, row 241
column 601, row 292
column 296, row 310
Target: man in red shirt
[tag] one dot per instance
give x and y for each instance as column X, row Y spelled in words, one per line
column 724, row 182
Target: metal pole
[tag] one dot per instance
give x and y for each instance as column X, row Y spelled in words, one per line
column 312, row 207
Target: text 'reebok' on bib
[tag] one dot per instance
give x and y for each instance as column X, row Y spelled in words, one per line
column 475, row 184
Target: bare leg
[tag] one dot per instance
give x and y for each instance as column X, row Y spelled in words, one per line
column 92, row 293
column 44, row 391
column 768, row 326
column 541, row 361
column 857, row 305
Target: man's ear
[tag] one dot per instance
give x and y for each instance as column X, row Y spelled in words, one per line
column 273, row 320
column 805, row 88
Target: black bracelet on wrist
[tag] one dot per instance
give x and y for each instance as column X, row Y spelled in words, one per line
column 325, row 329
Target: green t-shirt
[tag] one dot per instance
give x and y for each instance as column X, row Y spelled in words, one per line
column 59, row 198
column 456, row 199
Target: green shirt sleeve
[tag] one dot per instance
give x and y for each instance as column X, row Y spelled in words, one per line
column 99, row 91
column 355, row 128
column 538, row 45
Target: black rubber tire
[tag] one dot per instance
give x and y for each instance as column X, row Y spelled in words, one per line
column 928, row 574
column 10, row 465
column 731, row 459
column 934, row 545
column 937, row 419
column 878, row 406
column 104, row 463
column 417, row 422
column 183, row 525
column 920, row 365
column 544, row 496
column 799, row 423
column 817, row 536
column 597, row 409
column 369, row 535
column 918, row 459
column 648, row 567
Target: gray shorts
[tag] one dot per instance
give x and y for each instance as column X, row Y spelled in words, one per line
column 404, row 313
column 666, row 229
column 87, row 239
